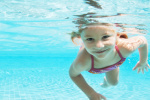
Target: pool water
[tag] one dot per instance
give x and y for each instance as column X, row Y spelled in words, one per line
column 36, row 52
column 42, row 78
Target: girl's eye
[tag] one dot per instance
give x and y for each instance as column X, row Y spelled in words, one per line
column 106, row 36
column 89, row 39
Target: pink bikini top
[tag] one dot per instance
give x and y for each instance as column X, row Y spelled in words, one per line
column 108, row 68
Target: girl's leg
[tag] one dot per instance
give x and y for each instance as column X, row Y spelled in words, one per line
column 111, row 79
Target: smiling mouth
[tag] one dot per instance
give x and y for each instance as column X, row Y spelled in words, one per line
column 101, row 51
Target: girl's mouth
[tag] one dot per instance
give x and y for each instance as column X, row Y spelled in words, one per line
column 101, row 51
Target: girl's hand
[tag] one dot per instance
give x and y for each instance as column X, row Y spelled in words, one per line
column 141, row 67
column 97, row 96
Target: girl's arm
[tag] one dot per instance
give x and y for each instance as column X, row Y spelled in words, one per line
column 140, row 43
column 79, row 80
column 143, row 51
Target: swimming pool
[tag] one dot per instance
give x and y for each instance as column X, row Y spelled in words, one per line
column 36, row 52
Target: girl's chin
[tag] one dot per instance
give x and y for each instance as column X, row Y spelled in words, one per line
column 100, row 56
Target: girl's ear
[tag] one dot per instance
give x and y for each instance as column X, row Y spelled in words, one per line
column 125, row 36
column 122, row 35
column 76, row 40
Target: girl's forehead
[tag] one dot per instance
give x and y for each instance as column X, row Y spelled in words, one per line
column 99, row 29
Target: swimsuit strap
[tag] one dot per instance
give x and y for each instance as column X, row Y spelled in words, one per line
column 117, row 49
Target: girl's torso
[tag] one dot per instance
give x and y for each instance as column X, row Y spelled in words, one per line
column 98, row 64
column 114, row 63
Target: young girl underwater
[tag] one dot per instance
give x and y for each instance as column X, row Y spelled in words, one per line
column 103, row 51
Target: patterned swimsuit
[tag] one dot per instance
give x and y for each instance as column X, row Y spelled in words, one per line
column 108, row 68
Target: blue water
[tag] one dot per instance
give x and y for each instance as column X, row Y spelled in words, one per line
column 46, row 78
column 36, row 52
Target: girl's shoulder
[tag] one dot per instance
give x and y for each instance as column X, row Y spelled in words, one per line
column 128, row 46
column 123, row 45
column 83, row 60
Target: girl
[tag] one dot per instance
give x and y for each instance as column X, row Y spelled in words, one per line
column 103, row 51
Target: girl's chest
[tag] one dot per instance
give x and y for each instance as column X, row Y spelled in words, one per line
column 106, row 63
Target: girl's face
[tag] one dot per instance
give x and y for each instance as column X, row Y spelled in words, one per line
column 99, row 40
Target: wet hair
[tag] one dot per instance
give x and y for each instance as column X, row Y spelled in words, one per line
column 76, row 34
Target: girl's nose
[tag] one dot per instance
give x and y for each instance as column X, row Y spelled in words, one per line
column 99, row 44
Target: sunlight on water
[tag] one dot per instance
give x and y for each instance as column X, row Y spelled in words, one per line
column 40, row 25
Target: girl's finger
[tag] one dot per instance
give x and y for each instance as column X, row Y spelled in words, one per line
column 143, row 70
column 135, row 68
column 103, row 98
column 139, row 70
column 148, row 65
column 146, row 69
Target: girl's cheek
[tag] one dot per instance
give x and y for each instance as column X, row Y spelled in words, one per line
column 108, row 43
column 89, row 46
